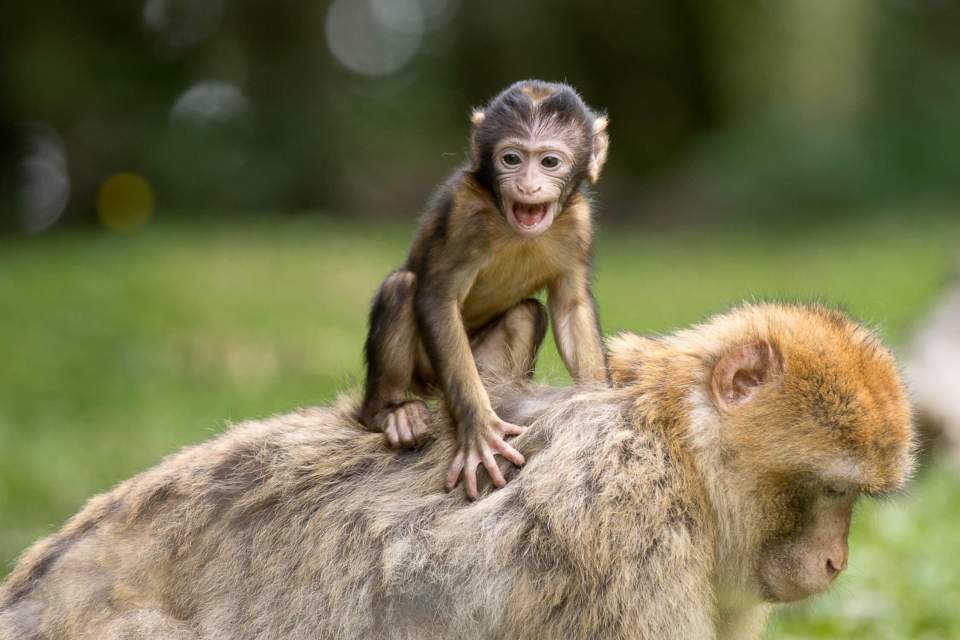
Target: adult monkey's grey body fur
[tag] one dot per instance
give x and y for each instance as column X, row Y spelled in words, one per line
column 648, row 510
column 305, row 527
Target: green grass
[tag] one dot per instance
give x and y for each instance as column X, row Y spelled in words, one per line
column 119, row 349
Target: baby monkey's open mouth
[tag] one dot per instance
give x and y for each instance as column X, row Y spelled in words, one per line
column 529, row 215
column 530, row 219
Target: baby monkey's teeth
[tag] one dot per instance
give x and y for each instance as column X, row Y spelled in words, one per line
column 528, row 215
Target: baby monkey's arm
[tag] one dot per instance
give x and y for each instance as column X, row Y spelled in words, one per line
column 480, row 432
column 575, row 326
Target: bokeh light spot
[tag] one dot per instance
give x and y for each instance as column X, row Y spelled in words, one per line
column 209, row 101
column 125, row 202
column 438, row 13
column 183, row 23
column 46, row 181
column 374, row 37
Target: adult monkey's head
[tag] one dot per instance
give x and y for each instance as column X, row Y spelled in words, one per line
column 796, row 411
column 532, row 146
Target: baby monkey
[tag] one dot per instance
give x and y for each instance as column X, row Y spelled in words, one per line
column 513, row 221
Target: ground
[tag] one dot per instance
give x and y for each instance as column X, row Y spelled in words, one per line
column 120, row 349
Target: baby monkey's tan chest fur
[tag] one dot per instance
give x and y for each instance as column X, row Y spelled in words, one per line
column 510, row 275
column 518, row 269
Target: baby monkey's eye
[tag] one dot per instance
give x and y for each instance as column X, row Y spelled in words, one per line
column 550, row 162
column 511, row 159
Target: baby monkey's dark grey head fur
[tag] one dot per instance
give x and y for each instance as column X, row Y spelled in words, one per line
column 532, row 147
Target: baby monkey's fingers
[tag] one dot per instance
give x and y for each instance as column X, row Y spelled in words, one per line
column 453, row 474
column 501, row 446
column 470, row 473
column 482, row 450
column 509, row 429
column 493, row 468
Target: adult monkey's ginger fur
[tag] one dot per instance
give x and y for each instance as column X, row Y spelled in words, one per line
column 716, row 477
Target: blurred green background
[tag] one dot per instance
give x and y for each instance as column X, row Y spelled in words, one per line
column 200, row 196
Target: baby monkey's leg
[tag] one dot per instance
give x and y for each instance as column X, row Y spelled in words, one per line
column 506, row 349
column 391, row 352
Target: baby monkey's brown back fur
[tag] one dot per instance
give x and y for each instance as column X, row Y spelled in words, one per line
column 652, row 510
column 513, row 221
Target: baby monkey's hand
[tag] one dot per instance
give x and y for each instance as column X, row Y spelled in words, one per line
column 479, row 446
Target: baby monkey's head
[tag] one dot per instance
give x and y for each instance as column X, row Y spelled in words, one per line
column 532, row 146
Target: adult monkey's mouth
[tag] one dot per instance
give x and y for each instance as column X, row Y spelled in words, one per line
column 529, row 218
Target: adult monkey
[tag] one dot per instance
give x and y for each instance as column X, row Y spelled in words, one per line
column 716, row 477
column 514, row 220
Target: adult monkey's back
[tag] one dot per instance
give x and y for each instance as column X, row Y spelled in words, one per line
column 716, row 477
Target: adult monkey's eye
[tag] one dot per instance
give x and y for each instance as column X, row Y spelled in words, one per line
column 511, row 159
column 550, row 162
column 835, row 492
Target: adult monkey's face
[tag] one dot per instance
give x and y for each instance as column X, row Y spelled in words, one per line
column 533, row 146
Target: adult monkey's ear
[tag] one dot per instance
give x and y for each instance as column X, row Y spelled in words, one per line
column 598, row 148
column 477, row 116
column 742, row 371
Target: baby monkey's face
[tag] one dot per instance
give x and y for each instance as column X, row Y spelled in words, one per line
column 531, row 175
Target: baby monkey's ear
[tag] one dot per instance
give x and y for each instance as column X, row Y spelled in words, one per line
column 476, row 119
column 742, row 371
column 598, row 148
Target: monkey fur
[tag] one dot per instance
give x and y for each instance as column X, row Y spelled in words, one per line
column 670, row 506
column 514, row 220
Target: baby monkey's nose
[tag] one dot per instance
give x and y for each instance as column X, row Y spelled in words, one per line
column 529, row 189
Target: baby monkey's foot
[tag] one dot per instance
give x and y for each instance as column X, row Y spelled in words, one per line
column 479, row 449
column 405, row 424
